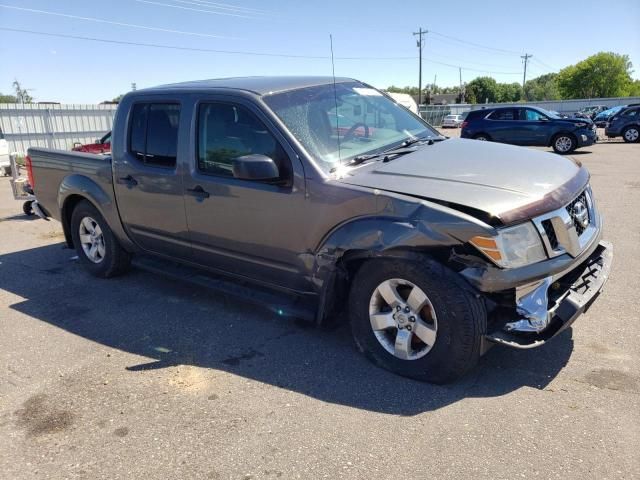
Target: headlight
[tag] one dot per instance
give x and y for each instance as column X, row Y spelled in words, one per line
column 581, row 124
column 512, row 247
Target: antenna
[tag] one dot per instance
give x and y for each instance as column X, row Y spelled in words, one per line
column 335, row 98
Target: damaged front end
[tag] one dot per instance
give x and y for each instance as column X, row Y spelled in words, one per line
column 547, row 307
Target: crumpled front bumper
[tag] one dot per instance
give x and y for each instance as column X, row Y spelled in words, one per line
column 562, row 300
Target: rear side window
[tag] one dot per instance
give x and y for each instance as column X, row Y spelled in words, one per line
column 506, row 114
column 476, row 115
column 153, row 133
column 632, row 112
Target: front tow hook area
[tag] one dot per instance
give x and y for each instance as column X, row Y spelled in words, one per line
column 541, row 321
column 532, row 304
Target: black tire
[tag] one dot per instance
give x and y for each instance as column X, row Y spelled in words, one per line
column 115, row 260
column 631, row 134
column 482, row 137
column 564, row 143
column 461, row 319
column 27, row 208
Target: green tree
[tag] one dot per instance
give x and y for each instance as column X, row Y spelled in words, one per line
column 481, row 90
column 634, row 89
column 22, row 94
column 544, row 87
column 8, row 99
column 604, row 74
column 409, row 90
column 509, row 92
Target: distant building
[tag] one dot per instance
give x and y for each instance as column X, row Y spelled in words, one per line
column 444, row 98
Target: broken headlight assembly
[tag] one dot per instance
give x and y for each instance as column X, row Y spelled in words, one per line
column 512, row 246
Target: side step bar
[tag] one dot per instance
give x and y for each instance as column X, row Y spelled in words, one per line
column 279, row 303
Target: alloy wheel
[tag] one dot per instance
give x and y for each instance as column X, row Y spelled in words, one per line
column 403, row 319
column 564, row 144
column 92, row 240
column 631, row 135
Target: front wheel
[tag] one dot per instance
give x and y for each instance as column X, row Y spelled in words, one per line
column 98, row 248
column 631, row 134
column 417, row 319
column 564, row 143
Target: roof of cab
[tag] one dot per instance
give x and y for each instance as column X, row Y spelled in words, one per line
column 257, row 85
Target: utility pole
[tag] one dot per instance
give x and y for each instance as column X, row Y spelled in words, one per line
column 420, row 34
column 526, row 58
column 461, row 92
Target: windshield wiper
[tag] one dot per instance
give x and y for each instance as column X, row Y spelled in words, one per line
column 396, row 151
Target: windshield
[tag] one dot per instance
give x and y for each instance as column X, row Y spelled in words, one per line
column 364, row 122
column 549, row 113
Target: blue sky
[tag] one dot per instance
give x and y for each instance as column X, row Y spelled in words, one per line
column 68, row 70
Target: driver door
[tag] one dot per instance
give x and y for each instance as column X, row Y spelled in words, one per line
column 245, row 227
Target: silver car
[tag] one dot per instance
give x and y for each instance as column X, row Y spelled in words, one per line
column 452, row 121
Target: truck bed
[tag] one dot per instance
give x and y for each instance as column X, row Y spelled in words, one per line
column 53, row 169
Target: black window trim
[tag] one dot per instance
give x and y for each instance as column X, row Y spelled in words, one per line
column 288, row 182
column 134, row 155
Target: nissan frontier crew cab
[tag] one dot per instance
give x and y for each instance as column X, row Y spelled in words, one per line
column 337, row 199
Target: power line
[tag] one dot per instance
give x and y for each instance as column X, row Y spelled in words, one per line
column 238, row 52
column 477, row 45
column 230, row 14
column 223, row 6
column 541, row 63
column 120, row 24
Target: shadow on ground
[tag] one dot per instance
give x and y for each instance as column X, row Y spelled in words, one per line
column 173, row 323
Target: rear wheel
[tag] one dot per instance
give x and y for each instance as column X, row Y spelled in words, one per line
column 27, row 207
column 97, row 247
column 417, row 319
column 564, row 143
column 483, row 137
column 631, row 134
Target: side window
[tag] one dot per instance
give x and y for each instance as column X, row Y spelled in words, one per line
column 227, row 131
column 631, row 112
column 506, row 114
column 153, row 136
column 138, row 130
column 531, row 115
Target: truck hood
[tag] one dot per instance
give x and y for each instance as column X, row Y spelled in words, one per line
column 503, row 181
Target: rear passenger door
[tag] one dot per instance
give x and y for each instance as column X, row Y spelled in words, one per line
column 148, row 182
column 244, row 227
column 502, row 125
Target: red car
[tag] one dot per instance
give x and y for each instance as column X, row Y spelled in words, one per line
column 102, row 145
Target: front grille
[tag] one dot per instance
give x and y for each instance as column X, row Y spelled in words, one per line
column 579, row 213
column 551, row 233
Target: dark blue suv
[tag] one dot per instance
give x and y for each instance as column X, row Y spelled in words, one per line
column 529, row 126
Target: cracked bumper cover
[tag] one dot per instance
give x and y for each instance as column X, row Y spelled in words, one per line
column 534, row 328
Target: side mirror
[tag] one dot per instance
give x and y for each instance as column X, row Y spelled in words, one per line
column 97, row 141
column 544, row 119
column 255, row 167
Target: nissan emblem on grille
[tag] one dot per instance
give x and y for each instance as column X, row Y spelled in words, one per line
column 579, row 213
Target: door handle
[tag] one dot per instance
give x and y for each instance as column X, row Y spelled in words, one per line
column 198, row 192
column 129, row 181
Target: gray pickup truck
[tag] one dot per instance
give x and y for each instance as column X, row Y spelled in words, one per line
column 332, row 196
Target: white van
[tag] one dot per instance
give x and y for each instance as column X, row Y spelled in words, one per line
column 405, row 100
column 4, row 155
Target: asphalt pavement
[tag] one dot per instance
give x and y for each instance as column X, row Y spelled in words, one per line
column 142, row 377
